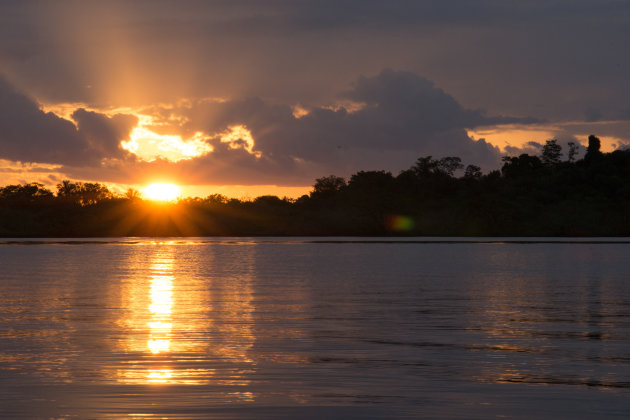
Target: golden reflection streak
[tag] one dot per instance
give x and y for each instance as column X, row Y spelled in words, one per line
column 173, row 320
column 151, row 314
column 160, row 324
column 161, row 308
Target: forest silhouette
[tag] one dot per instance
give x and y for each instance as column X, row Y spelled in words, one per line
column 543, row 195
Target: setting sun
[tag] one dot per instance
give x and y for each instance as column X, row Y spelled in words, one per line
column 162, row 192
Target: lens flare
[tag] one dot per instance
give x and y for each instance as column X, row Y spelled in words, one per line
column 399, row 223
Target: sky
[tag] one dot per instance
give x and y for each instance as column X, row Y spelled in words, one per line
column 247, row 98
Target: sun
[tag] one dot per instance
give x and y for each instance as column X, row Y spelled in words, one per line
column 160, row 191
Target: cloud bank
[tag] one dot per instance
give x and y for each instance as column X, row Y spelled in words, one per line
column 393, row 118
column 561, row 59
column 385, row 121
column 29, row 134
column 265, row 85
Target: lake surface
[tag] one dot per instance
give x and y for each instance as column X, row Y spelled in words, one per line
column 314, row 328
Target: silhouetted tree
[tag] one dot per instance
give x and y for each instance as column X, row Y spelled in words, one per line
column 528, row 197
column 520, row 166
column 592, row 151
column 93, row 192
column 448, row 165
column 551, row 153
column 132, row 194
column 25, row 193
column 270, row 201
column 328, row 185
column 66, row 188
column 472, row 172
column 425, row 166
column 84, row 194
column 573, row 151
column 371, row 181
column 216, row 199
column 428, row 167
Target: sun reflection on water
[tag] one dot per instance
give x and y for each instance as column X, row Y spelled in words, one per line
column 159, row 376
column 151, row 315
column 161, row 308
column 182, row 328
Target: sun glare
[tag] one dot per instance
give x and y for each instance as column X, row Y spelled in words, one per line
column 161, row 192
column 150, row 146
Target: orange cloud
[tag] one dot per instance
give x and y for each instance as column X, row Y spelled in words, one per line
column 150, row 146
column 239, row 137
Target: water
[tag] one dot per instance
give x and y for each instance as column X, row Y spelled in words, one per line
column 314, row 328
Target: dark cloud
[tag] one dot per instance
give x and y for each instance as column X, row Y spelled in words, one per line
column 29, row 134
column 560, row 61
column 402, row 113
column 403, row 117
column 531, row 148
column 415, row 99
column 592, row 115
column 550, row 59
column 102, row 133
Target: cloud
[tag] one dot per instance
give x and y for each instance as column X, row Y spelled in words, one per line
column 29, row 134
column 557, row 59
column 563, row 61
column 102, row 133
column 385, row 121
column 402, row 117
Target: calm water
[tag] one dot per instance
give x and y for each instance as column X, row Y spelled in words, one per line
column 299, row 328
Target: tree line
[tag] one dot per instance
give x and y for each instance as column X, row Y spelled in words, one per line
column 531, row 195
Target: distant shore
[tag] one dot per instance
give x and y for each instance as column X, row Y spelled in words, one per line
column 531, row 196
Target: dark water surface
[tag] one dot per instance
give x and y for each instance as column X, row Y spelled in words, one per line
column 314, row 328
